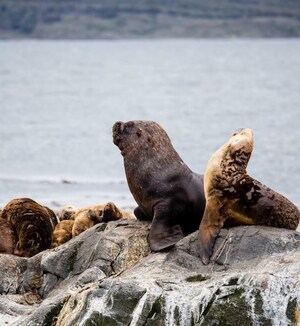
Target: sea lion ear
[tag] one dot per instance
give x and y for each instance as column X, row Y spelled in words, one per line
column 91, row 213
column 3, row 214
column 139, row 132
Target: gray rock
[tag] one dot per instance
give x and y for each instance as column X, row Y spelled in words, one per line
column 107, row 276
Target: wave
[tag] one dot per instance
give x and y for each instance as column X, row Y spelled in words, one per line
column 60, row 180
column 56, row 192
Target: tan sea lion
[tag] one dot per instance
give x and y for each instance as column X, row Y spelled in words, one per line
column 89, row 216
column 86, row 218
column 62, row 233
column 112, row 213
column 33, row 224
column 167, row 192
column 8, row 237
column 68, row 213
column 232, row 196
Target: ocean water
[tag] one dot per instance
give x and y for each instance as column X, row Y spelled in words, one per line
column 59, row 100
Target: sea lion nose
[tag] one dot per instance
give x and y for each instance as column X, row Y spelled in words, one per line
column 238, row 131
column 118, row 127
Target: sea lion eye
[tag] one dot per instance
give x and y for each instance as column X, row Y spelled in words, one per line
column 237, row 131
column 129, row 124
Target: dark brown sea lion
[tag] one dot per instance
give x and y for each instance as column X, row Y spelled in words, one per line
column 33, row 224
column 62, row 233
column 233, row 196
column 8, row 237
column 165, row 189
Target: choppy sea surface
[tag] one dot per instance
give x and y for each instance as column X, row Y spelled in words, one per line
column 59, row 100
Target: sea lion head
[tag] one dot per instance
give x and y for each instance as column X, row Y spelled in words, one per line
column 111, row 212
column 228, row 164
column 95, row 214
column 68, row 213
column 133, row 136
column 239, row 147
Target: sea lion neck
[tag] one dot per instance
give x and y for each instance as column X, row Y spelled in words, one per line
column 163, row 164
column 232, row 169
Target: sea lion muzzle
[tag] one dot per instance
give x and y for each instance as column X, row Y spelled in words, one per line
column 117, row 130
column 118, row 127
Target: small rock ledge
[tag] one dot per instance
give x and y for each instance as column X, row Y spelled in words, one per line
column 108, row 276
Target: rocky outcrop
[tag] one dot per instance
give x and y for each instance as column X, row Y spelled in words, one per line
column 107, row 276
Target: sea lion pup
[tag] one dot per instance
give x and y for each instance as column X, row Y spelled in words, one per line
column 112, row 213
column 68, row 213
column 86, row 218
column 62, row 233
column 92, row 215
column 165, row 189
column 233, row 196
column 8, row 237
column 33, row 224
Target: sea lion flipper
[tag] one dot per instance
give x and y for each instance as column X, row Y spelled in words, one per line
column 140, row 215
column 210, row 227
column 163, row 234
column 166, row 238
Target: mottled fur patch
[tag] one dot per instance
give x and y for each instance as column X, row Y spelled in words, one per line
column 33, row 224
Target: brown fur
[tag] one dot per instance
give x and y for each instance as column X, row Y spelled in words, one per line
column 62, row 233
column 232, row 196
column 112, row 213
column 8, row 237
column 86, row 218
column 33, row 224
column 89, row 216
column 167, row 192
column 68, row 213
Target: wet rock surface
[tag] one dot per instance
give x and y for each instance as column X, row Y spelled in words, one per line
column 108, row 276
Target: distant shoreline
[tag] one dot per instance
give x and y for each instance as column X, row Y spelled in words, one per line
column 165, row 39
column 133, row 19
